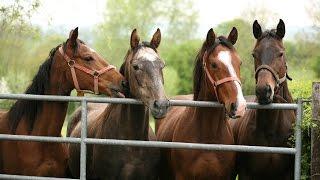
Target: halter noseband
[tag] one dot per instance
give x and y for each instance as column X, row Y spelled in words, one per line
column 214, row 83
column 72, row 64
column 273, row 72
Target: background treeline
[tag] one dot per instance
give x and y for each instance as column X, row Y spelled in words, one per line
column 24, row 46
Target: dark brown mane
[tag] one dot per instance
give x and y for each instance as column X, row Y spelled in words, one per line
column 269, row 34
column 27, row 108
column 198, row 68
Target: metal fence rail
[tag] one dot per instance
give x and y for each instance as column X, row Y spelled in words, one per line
column 83, row 141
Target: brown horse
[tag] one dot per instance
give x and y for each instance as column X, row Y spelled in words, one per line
column 143, row 70
column 266, row 127
column 216, row 78
column 39, row 118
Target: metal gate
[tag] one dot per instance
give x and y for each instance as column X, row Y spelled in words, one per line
column 83, row 141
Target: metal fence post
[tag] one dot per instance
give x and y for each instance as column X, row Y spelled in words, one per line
column 315, row 132
column 83, row 140
column 83, row 152
column 297, row 164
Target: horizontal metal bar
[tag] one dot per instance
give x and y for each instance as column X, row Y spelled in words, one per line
column 198, row 146
column 7, row 176
column 39, row 138
column 282, row 106
column 70, row 98
column 159, row 144
column 250, row 105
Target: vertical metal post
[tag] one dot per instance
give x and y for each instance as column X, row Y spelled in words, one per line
column 83, row 147
column 297, row 164
column 315, row 132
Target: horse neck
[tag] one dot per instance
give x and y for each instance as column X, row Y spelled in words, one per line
column 209, row 120
column 270, row 119
column 50, row 120
column 128, row 121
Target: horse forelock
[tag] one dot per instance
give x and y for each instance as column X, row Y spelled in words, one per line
column 272, row 33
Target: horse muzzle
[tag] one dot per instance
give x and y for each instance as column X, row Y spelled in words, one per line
column 159, row 108
column 264, row 94
column 237, row 109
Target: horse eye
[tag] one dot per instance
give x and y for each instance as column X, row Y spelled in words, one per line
column 280, row 54
column 136, row 67
column 89, row 58
column 214, row 65
column 253, row 55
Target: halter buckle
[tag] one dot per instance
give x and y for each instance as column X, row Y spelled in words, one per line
column 71, row 63
column 95, row 73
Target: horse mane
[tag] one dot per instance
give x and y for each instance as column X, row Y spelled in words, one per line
column 198, row 68
column 30, row 108
column 272, row 33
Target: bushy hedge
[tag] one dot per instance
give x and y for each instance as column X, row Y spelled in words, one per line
column 302, row 89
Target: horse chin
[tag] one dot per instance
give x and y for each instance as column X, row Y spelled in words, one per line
column 117, row 94
column 158, row 113
column 265, row 101
column 232, row 116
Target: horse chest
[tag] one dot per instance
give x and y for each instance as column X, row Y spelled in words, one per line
column 203, row 165
column 265, row 163
column 33, row 158
column 126, row 162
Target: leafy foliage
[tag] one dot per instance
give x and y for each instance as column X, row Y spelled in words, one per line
column 121, row 17
column 181, row 58
column 302, row 89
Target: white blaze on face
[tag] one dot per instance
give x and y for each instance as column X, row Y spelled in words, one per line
column 147, row 54
column 225, row 58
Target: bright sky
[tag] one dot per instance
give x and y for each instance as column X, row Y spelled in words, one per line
column 68, row 14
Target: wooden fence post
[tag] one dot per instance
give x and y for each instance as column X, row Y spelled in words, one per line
column 315, row 132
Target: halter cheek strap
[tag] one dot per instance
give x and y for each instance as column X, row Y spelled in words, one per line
column 273, row 72
column 214, row 83
column 73, row 65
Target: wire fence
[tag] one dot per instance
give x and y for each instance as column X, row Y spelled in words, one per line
column 83, row 140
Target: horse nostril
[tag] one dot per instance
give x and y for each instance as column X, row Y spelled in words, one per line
column 257, row 91
column 156, row 104
column 233, row 107
column 268, row 88
column 124, row 84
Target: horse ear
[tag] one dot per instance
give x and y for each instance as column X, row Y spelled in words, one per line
column 257, row 32
column 281, row 29
column 73, row 36
column 211, row 37
column 233, row 35
column 134, row 41
column 156, row 39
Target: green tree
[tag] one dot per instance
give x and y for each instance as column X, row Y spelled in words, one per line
column 121, row 17
column 313, row 9
column 260, row 12
column 181, row 57
column 15, row 32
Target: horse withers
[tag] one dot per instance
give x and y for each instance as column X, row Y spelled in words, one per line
column 216, row 78
column 72, row 65
column 142, row 68
column 266, row 127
